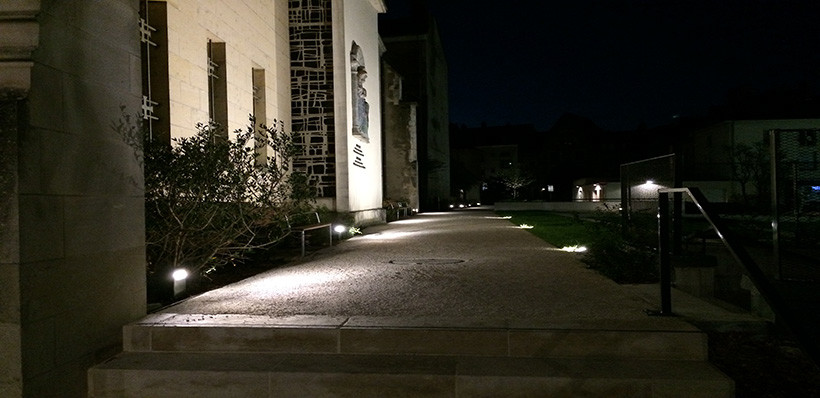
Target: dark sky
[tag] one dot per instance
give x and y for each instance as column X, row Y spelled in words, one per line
column 618, row 62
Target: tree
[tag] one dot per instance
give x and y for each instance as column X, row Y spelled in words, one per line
column 514, row 179
column 750, row 165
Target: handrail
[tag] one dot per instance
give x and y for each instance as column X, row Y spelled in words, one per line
column 732, row 243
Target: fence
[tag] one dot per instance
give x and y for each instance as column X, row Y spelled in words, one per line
column 774, row 217
column 640, row 182
column 795, row 171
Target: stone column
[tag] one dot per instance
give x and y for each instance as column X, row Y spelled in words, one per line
column 19, row 34
column 72, row 262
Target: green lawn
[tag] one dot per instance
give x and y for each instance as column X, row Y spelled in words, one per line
column 556, row 229
column 608, row 251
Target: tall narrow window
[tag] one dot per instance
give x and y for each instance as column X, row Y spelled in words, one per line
column 153, row 26
column 259, row 113
column 217, row 86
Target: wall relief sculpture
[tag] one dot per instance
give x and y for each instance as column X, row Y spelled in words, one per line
column 360, row 107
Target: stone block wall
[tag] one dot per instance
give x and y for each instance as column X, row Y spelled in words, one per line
column 419, row 58
column 73, row 262
column 255, row 34
column 401, row 180
column 10, row 343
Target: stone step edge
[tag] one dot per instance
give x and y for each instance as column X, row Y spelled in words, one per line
column 641, row 344
column 179, row 371
column 322, row 321
column 410, row 364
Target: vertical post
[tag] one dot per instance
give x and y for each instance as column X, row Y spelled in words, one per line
column 303, row 243
column 677, row 208
column 677, row 223
column 663, row 252
column 625, row 187
column 775, row 213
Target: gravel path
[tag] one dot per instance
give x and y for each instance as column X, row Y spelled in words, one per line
column 466, row 264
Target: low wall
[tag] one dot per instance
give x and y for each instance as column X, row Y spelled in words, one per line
column 369, row 217
column 581, row 207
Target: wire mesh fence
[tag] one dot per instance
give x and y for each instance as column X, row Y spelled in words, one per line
column 640, row 182
column 796, row 202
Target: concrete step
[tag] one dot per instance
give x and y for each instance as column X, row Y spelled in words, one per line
column 158, row 374
column 649, row 339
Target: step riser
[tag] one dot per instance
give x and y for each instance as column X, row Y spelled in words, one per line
column 147, row 383
column 462, row 342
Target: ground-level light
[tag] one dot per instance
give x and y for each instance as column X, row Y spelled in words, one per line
column 179, row 275
column 574, row 249
column 340, row 229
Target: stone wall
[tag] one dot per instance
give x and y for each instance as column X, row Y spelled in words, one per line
column 359, row 159
column 311, row 40
column 401, row 180
column 73, row 272
column 10, row 337
column 419, row 57
column 255, row 34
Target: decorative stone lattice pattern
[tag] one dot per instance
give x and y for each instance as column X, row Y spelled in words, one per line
column 311, row 50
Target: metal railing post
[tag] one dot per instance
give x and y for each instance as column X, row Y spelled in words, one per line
column 663, row 254
column 677, row 223
column 790, row 315
column 677, row 207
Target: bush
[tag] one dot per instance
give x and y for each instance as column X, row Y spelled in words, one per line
column 209, row 200
column 625, row 255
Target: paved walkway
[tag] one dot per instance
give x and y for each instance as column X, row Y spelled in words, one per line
column 443, row 304
column 443, row 267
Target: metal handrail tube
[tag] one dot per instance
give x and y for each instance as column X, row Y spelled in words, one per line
column 732, row 243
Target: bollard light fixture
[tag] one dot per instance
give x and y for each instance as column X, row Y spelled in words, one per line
column 340, row 229
column 180, row 274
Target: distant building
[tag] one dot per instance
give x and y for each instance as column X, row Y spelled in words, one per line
column 481, row 155
column 573, row 149
column 710, row 156
column 596, row 190
column 401, row 162
column 414, row 50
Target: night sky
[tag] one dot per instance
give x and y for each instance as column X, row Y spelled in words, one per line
column 620, row 63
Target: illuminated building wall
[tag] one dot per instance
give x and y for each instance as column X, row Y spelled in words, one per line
column 311, row 40
column 336, row 101
column 221, row 60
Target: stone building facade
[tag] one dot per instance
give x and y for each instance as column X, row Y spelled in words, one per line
column 72, row 251
column 415, row 51
column 336, row 102
column 72, row 245
column 217, row 60
column 401, row 177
